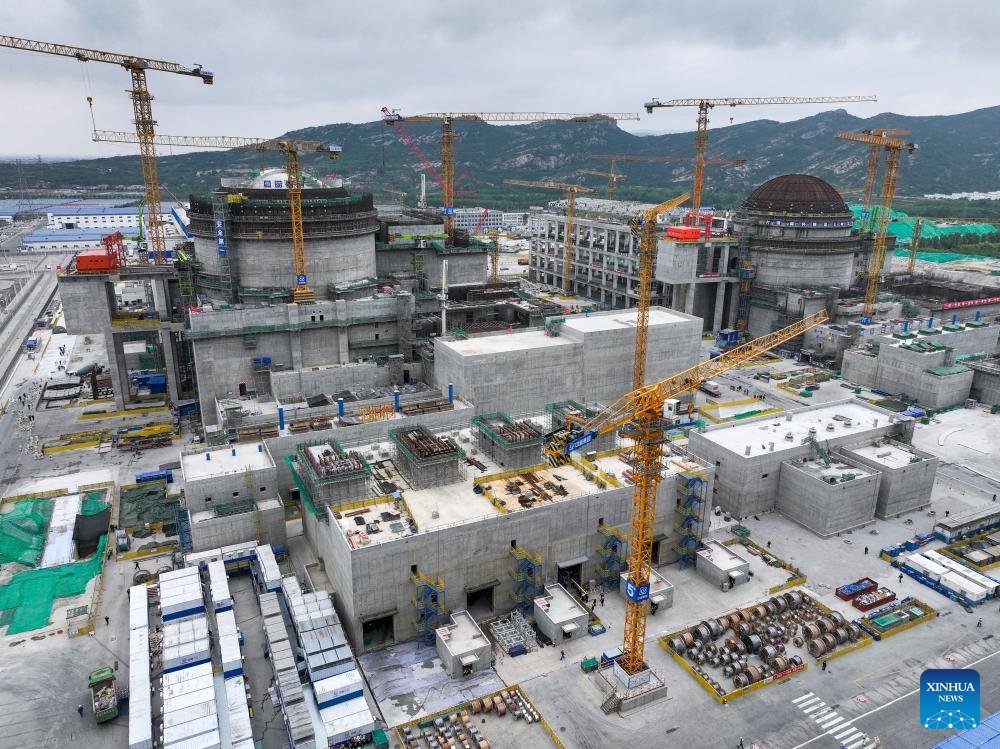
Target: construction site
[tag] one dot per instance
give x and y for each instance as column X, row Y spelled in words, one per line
column 302, row 473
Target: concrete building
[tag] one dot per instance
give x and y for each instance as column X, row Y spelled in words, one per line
column 231, row 496
column 798, row 245
column 462, row 646
column 907, row 475
column 473, row 220
column 558, row 616
column 761, row 464
column 524, row 529
column 107, row 218
column 333, row 476
column 925, row 364
column 722, row 565
column 581, row 358
column 828, row 494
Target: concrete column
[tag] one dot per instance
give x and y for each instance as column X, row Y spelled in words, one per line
column 170, row 363
column 689, row 301
column 116, row 363
column 720, row 301
column 161, row 299
column 294, row 339
column 343, row 350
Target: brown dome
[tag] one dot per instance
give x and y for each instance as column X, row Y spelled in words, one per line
column 796, row 193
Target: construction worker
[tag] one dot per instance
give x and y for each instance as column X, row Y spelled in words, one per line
column 79, row 710
column 562, row 653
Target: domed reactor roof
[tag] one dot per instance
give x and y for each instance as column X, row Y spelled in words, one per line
column 796, row 193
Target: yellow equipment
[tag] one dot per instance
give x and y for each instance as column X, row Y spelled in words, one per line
column 145, row 125
column 571, row 191
column 868, row 194
column 893, row 148
column 613, row 177
column 448, row 140
column 647, row 231
column 701, row 133
column 918, row 228
column 494, row 236
column 301, row 292
column 640, row 414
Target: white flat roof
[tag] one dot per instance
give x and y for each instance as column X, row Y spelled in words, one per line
column 891, row 456
column 248, row 457
column 820, row 470
column 562, row 607
column 505, row 343
column 620, row 319
column 463, row 634
column 759, row 433
column 721, row 556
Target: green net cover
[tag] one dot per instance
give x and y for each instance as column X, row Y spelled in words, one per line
column 22, row 531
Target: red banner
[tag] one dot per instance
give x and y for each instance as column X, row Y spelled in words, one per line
column 971, row 302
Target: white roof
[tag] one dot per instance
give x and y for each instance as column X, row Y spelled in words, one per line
column 223, row 462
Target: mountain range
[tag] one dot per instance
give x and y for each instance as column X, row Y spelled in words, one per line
column 956, row 153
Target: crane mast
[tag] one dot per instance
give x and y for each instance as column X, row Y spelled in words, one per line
column 571, row 191
column 918, row 228
column 640, row 413
column 145, row 125
column 701, row 131
column 613, row 177
column 893, row 148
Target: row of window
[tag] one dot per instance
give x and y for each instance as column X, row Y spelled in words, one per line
column 235, row 494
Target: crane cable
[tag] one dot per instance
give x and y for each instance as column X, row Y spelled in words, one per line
column 89, row 90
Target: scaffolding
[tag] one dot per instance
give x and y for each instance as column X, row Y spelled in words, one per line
column 183, row 523
column 614, row 553
column 220, row 213
column 690, row 511
column 527, row 577
column 501, row 430
column 428, row 605
column 513, row 634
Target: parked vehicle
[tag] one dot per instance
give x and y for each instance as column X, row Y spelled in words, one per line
column 104, row 694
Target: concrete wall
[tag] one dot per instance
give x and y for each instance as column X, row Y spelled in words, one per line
column 463, row 267
column 592, row 367
column 860, row 367
column 211, row 532
column 375, row 580
column 676, row 262
column 827, row 268
column 230, row 487
column 985, row 385
column 286, row 386
column 902, row 489
column 824, row 508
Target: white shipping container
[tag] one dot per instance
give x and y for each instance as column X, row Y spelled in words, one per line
column 219, row 586
column 269, row 572
column 189, row 699
column 189, row 713
column 186, row 674
column 205, row 741
column 185, row 654
column 190, row 729
column 184, row 687
column 138, row 607
column 338, row 686
column 239, row 714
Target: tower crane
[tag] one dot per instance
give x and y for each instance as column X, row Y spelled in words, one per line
column 292, row 149
column 640, row 412
column 494, row 236
column 145, row 125
column 893, row 148
column 447, row 119
column 613, row 177
column 571, row 191
column 397, row 193
column 871, row 171
column 918, row 228
column 701, row 133
column 646, row 227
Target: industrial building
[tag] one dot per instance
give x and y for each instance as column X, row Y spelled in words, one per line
column 822, row 466
column 526, row 527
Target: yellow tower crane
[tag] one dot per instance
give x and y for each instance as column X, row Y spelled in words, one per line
column 871, row 171
column 701, row 132
column 918, row 229
column 613, row 177
column 447, row 119
column 292, row 149
column 893, row 148
column 494, row 236
column 571, row 191
column 145, row 125
column 640, row 412
column 645, row 227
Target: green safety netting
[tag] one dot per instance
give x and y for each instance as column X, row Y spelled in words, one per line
column 22, row 531
column 93, row 503
column 901, row 226
column 30, row 593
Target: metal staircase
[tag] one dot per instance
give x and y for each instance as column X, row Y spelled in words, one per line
column 690, row 519
column 428, row 605
column 614, row 552
column 527, row 577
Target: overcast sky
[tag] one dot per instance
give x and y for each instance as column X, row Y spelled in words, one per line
column 286, row 65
